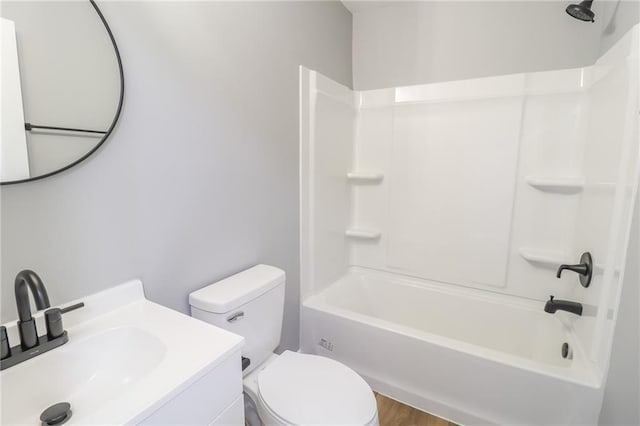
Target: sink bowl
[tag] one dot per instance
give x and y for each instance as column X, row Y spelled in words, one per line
column 85, row 373
column 125, row 359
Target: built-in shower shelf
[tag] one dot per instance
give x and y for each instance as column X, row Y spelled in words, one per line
column 365, row 177
column 553, row 259
column 363, row 234
column 566, row 184
column 544, row 257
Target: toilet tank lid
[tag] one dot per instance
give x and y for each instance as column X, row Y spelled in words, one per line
column 236, row 290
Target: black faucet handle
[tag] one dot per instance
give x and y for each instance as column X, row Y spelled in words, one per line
column 580, row 268
column 584, row 269
column 6, row 347
column 53, row 319
column 72, row 308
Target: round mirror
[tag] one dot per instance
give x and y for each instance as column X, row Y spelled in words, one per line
column 62, row 86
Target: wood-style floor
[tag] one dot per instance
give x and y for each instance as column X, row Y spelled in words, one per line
column 394, row 413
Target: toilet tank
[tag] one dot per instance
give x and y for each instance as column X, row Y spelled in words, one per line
column 249, row 303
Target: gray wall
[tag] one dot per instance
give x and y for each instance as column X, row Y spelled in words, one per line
column 622, row 392
column 420, row 42
column 617, row 18
column 200, row 179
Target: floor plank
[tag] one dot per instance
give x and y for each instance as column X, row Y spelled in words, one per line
column 394, row 413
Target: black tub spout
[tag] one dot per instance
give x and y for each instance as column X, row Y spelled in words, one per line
column 562, row 305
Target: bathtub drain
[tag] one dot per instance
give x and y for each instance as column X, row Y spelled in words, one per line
column 567, row 352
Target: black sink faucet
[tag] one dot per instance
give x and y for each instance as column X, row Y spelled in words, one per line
column 28, row 280
column 32, row 345
column 562, row 305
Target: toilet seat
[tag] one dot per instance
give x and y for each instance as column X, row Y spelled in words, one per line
column 302, row 389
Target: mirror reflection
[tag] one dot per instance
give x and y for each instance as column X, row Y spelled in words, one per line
column 60, row 92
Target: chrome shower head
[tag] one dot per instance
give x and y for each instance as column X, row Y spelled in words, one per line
column 582, row 11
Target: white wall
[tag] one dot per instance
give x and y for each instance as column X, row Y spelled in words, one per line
column 422, row 42
column 200, row 179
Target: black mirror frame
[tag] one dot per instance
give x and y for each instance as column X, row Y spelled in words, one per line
column 113, row 122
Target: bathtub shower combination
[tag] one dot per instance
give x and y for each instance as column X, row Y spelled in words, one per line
column 434, row 218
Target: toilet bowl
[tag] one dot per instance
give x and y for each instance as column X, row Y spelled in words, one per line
column 287, row 389
column 302, row 389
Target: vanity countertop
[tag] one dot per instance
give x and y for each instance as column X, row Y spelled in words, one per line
column 125, row 358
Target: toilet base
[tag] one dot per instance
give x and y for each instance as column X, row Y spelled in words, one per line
column 252, row 414
column 251, row 417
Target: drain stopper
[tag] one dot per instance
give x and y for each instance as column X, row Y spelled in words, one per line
column 57, row 414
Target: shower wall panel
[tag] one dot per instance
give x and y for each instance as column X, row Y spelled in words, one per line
column 458, row 202
column 493, row 183
column 327, row 120
column 452, row 179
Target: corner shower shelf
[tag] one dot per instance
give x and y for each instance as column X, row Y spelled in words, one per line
column 363, row 234
column 365, row 177
column 567, row 184
column 543, row 257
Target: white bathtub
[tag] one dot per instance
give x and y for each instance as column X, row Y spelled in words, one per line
column 469, row 356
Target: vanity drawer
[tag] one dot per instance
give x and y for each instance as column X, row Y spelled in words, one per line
column 233, row 415
column 204, row 400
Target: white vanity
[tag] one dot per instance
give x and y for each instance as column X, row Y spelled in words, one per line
column 129, row 361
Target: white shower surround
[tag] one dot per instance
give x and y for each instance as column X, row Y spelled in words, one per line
column 381, row 230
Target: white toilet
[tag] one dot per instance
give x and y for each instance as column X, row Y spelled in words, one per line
column 287, row 389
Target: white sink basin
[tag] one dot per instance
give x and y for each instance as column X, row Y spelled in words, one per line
column 118, row 365
column 87, row 372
